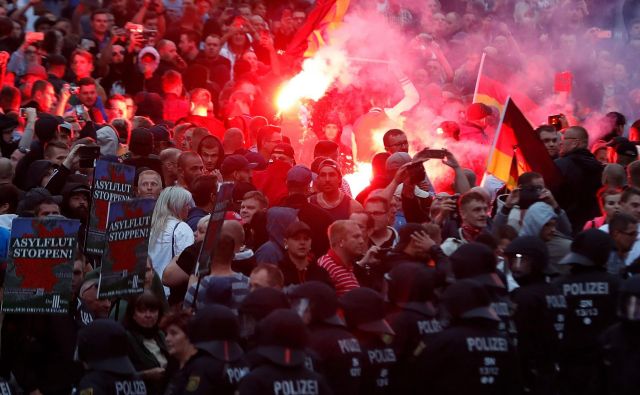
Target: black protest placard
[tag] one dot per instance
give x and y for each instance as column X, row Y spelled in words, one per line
column 223, row 198
column 112, row 182
column 40, row 265
column 125, row 256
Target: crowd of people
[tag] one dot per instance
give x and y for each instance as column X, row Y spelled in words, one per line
column 317, row 286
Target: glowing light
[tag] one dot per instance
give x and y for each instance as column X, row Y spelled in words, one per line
column 360, row 179
column 317, row 75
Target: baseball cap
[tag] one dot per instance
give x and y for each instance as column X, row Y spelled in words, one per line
column 327, row 162
column 296, row 228
column 254, row 157
column 627, row 148
column 300, row 175
column 397, row 160
column 235, row 162
column 283, row 149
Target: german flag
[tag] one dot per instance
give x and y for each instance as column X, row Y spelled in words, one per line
column 326, row 16
column 517, row 149
column 494, row 93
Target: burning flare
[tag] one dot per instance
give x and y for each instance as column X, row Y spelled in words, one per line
column 359, row 179
column 317, row 75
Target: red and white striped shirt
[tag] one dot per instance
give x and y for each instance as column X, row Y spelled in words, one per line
column 344, row 280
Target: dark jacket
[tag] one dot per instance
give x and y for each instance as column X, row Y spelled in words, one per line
column 620, row 350
column 316, row 217
column 293, row 276
column 582, row 175
column 143, row 359
column 453, row 361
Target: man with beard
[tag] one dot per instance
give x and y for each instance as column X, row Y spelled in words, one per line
column 190, row 166
column 75, row 202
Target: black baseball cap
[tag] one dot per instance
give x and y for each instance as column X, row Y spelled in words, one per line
column 235, row 162
column 103, row 346
column 296, row 228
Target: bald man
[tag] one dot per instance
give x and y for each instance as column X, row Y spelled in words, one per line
column 232, row 141
column 169, row 159
column 582, row 174
column 190, row 166
column 614, row 176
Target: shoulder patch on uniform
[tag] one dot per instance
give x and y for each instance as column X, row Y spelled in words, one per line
column 387, row 339
column 192, row 384
column 86, row 391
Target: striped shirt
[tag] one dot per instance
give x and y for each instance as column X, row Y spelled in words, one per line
column 344, row 280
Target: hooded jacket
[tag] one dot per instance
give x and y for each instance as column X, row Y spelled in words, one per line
column 278, row 219
column 582, row 174
column 536, row 218
column 108, row 141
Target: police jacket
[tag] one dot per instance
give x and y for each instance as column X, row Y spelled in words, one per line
column 415, row 325
column 270, row 377
column 379, row 361
column 339, row 357
column 98, row 382
column 620, row 352
column 470, row 357
column 591, row 295
column 217, row 369
column 540, row 313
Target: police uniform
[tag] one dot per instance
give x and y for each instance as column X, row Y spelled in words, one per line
column 364, row 313
column 478, row 262
column 102, row 345
column 219, row 365
column 280, row 367
column 471, row 356
column 412, row 317
column 620, row 345
column 540, row 315
column 338, row 352
column 591, row 294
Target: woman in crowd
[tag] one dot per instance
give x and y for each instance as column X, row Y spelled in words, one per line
column 609, row 200
column 170, row 235
column 147, row 348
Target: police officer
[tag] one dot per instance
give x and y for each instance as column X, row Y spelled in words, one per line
column 338, row 352
column 620, row 344
column 471, row 356
column 256, row 306
column 280, row 370
column 539, row 315
column 102, row 347
column 219, row 364
column 591, row 295
column 412, row 316
column 364, row 314
column 478, row 262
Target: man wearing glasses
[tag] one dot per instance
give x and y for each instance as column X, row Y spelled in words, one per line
column 582, row 177
column 395, row 140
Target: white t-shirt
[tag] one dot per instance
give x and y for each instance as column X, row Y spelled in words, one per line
column 175, row 237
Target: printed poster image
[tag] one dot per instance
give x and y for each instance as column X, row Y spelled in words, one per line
column 125, row 256
column 40, row 265
column 112, row 182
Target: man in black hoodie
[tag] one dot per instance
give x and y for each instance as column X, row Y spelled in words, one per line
column 539, row 315
column 582, row 177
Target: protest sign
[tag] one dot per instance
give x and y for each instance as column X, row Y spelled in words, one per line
column 125, row 256
column 223, row 198
column 112, row 182
column 40, row 265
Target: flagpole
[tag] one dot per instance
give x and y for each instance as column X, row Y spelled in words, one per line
column 475, row 91
column 492, row 152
